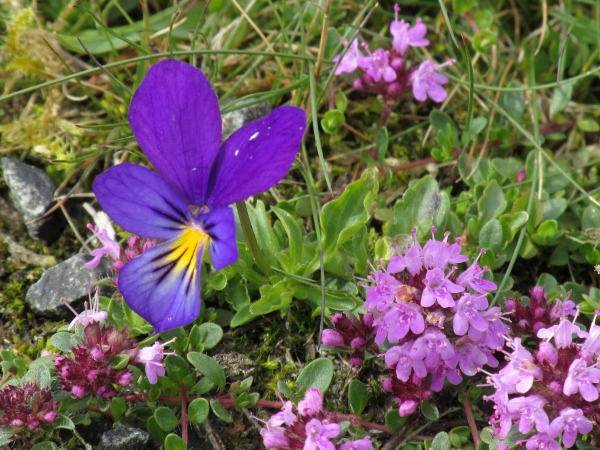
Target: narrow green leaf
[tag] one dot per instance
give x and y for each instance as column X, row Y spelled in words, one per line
column 220, row 411
column 357, row 396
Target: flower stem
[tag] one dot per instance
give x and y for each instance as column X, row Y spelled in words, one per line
column 471, row 420
column 184, row 415
column 259, row 258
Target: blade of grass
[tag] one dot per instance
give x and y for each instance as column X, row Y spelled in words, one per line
column 447, row 19
column 315, row 123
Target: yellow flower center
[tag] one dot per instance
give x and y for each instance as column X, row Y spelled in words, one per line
column 186, row 248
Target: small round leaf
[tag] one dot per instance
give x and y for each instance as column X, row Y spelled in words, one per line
column 198, row 410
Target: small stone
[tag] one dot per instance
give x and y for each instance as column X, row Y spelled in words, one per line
column 124, row 438
column 66, row 280
column 237, row 365
column 32, row 192
column 234, row 120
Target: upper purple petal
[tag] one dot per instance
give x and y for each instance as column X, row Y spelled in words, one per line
column 141, row 202
column 175, row 118
column 219, row 224
column 256, row 156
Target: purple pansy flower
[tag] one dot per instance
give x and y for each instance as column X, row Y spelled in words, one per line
column 175, row 118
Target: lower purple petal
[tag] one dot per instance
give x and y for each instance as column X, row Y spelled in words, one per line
column 163, row 284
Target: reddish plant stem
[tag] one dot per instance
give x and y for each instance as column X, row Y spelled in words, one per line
column 184, row 415
column 471, row 420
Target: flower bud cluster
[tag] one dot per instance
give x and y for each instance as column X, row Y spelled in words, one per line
column 308, row 428
column 389, row 72
column 431, row 321
column 89, row 370
column 119, row 255
column 26, row 409
column 551, row 391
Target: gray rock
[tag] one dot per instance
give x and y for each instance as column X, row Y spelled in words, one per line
column 234, row 120
column 124, row 438
column 66, row 280
column 32, row 193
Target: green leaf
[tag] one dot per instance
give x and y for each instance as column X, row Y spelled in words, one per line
column 266, row 238
column 491, row 204
column 210, row 334
column 198, row 410
column 220, row 411
column 507, row 167
column 382, row 143
column 588, row 125
column 513, row 101
column 343, row 217
column 166, row 418
column 332, row 120
column 294, row 234
column 341, row 102
column 357, row 396
column 317, row 374
column 512, row 223
column 174, row 442
column 554, row 208
column 461, row 7
column 561, row 97
column 156, row 432
column 430, row 411
column 46, row 445
column 118, row 407
column 393, row 420
column 548, row 228
column 418, row 208
column 119, row 362
column 177, row 368
column 62, row 341
column 208, row 367
column 484, row 40
column 442, row 121
column 590, row 217
column 491, row 236
column 441, row 441
column 64, row 422
column 273, row 298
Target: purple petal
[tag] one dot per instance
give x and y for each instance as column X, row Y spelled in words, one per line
column 163, row 284
column 419, row 91
column 436, row 93
column 141, row 202
column 220, row 226
column 175, row 118
column 256, row 156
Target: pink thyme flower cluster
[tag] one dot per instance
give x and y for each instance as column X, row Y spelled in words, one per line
column 308, row 428
column 89, row 371
column 431, row 320
column 119, row 255
column 26, row 409
column 552, row 391
column 389, row 72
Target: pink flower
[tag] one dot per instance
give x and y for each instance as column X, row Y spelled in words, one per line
column 378, row 66
column 312, row 403
column 428, row 83
column 89, row 316
column 318, row 434
column 351, row 60
column 405, row 36
column 110, row 247
column 152, row 357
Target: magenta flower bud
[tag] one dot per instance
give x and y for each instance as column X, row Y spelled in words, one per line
column 92, row 375
column 521, row 174
column 538, row 295
column 555, row 387
column 332, row 338
column 18, row 423
column 124, row 378
column 387, row 385
column 407, row 408
column 396, row 63
column 367, row 320
column 357, row 342
column 547, row 353
column 538, row 326
column 393, row 88
column 357, row 84
column 274, row 439
column 118, row 265
column 33, row 425
column 355, row 361
column 336, row 318
column 539, row 312
column 97, row 354
column 48, row 417
column 78, row 391
column 510, row 305
column 312, row 403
